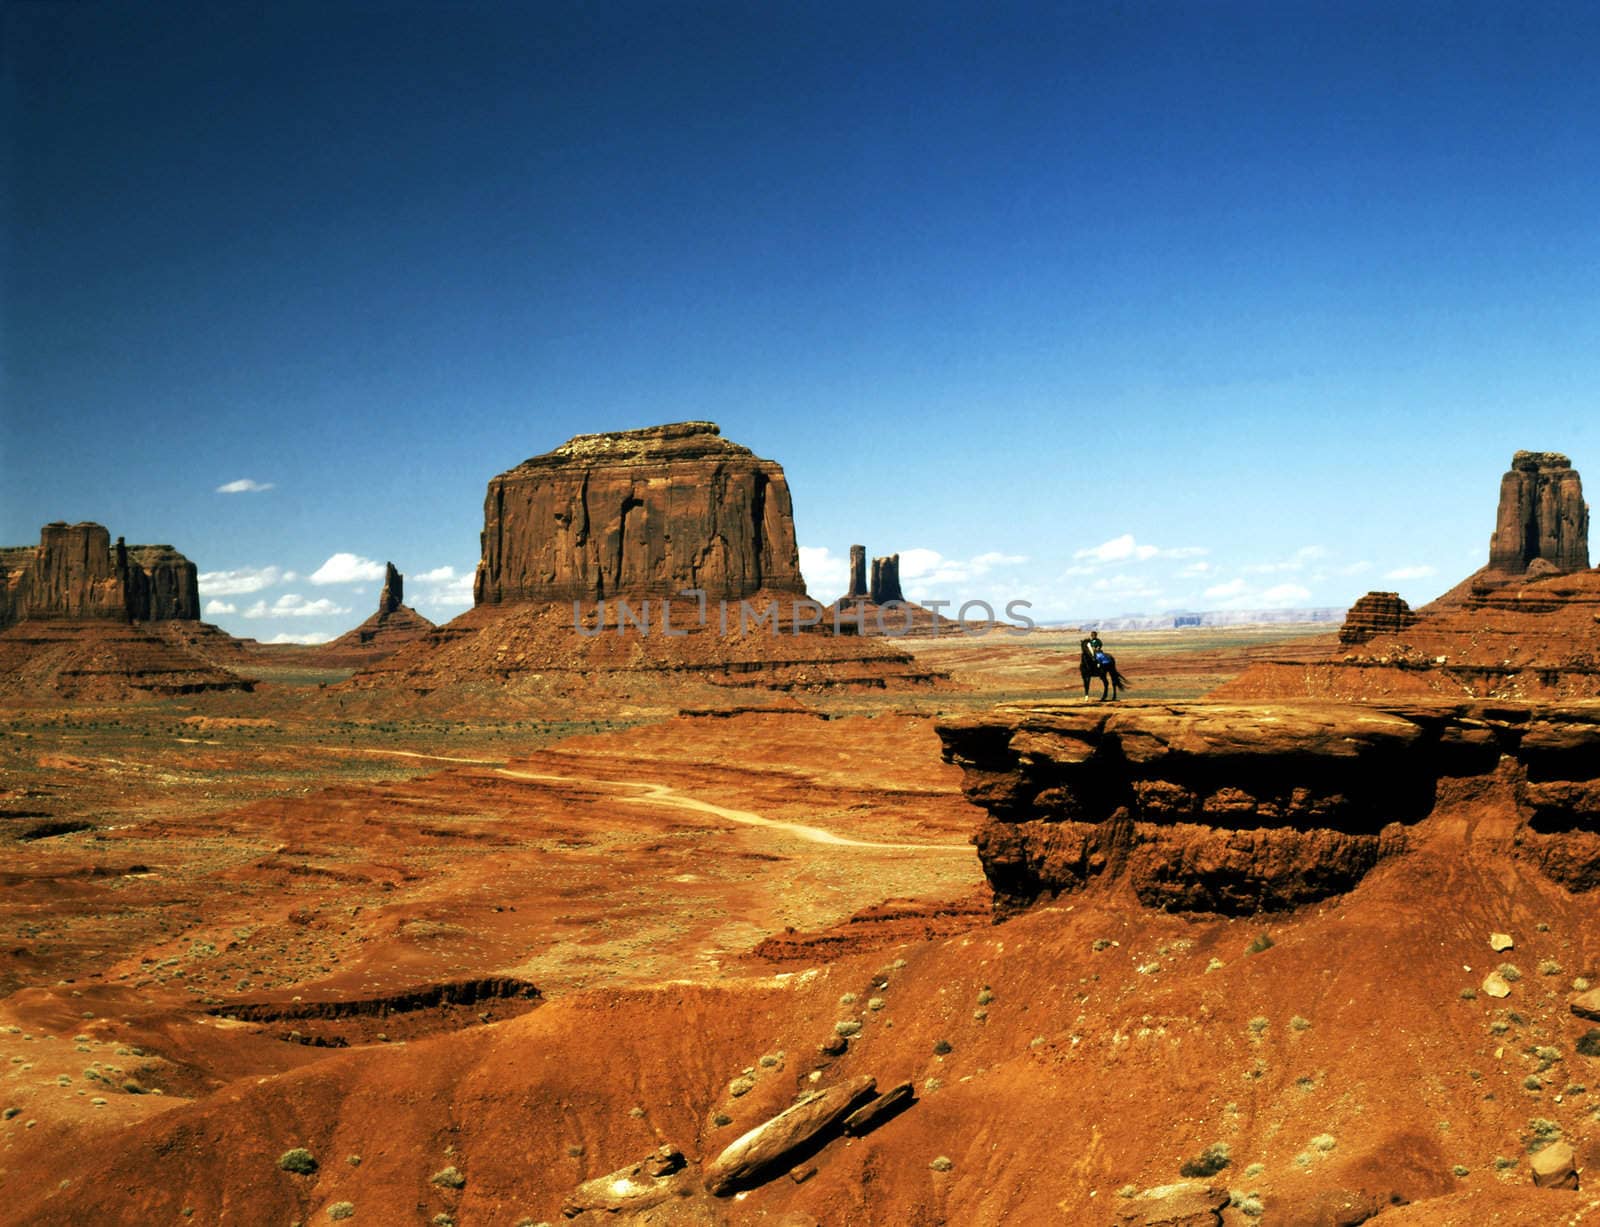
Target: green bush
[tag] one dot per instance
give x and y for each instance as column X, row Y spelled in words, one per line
column 1208, row 1162
column 450, row 1178
column 299, row 1161
column 1263, row 941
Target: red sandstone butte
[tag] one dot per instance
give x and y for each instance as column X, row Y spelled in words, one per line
column 76, row 573
column 639, row 513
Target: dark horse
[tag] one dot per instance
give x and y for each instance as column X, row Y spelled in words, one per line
column 1110, row 680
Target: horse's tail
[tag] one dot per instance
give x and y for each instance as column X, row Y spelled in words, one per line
column 1118, row 679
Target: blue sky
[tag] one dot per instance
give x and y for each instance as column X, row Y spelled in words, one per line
column 1114, row 307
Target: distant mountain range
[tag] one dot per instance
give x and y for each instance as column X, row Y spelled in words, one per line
column 1182, row 618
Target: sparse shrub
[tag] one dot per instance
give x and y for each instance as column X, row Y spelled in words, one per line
column 1254, row 1171
column 985, row 997
column 721, row 1119
column 1262, row 941
column 741, row 1086
column 941, row 1164
column 1300, row 1024
column 443, row 1220
column 1247, row 1204
column 848, row 999
column 1547, row 1057
column 1102, row 943
column 1580, row 985
column 1532, row 1083
column 1469, row 994
column 876, row 1003
column 1208, row 1162
column 1458, row 1170
column 1589, row 1044
column 846, row 1027
column 342, row 1210
column 1515, row 1019
column 1542, row 927
column 1259, row 1024
column 1541, row 1133
column 353, row 1160
column 1509, row 972
column 1502, row 1163
column 1499, row 1026
column 1549, row 967
column 575, row 1151
column 1324, row 1142
column 768, row 1060
column 980, row 1014
column 449, row 1178
column 10, row 1113
column 941, row 1047
column 299, row 1161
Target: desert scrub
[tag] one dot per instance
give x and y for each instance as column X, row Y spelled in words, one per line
column 1248, row 1204
column 1469, row 994
column 848, row 999
column 985, row 995
column 876, row 1003
column 1532, row 1083
column 1262, row 941
column 1541, row 1132
column 1103, row 943
column 1502, row 1163
column 450, row 1178
column 1549, row 967
column 1323, row 1143
column 1459, row 1171
column 1255, row 1171
column 1509, row 972
column 1499, row 1026
column 846, row 1027
column 941, row 1164
column 1259, row 1024
column 342, row 1209
column 741, row 1086
column 1208, row 1162
column 767, row 1061
column 1299, row 1023
column 1547, row 1057
column 941, row 1047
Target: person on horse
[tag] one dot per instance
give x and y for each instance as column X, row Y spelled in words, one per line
column 1095, row 648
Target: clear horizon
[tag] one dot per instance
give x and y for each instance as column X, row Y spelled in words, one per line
column 1117, row 310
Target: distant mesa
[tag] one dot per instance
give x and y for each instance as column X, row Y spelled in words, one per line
column 1525, row 626
column 85, row 618
column 582, row 542
column 639, row 513
column 75, row 572
column 1542, row 516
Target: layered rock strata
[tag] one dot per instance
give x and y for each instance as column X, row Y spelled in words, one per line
column 76, row 573
column 639, row 513
column 1375, row 614
column 1236, row 809
column 392, row 627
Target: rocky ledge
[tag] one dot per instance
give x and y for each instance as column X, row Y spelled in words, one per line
column 1243, row 808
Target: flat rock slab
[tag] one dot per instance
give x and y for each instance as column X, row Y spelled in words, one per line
column 766, row 1150
column 1588, row 1005
column 1496, row 985
column 630, row 1189
column 1500, row 941
column 1187, row 1204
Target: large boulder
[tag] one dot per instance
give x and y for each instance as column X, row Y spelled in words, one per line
column 776, row 1144
column 639, row 513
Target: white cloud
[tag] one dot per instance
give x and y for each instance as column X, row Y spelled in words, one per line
column 221, row 607
column 915, row 563
column 825, row 572
column 1126, row 587
column 293, row 605
column 1418, row 572
column 244, row 486
column 1222, row 592
column 438, row 575
column 1285, row 594
column 245, row 579
column 347, row 569
column 1126, row 549
column 286, row 637
column 1195, row 570
column 454, row 594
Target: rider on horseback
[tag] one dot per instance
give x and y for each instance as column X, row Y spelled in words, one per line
column 1095, row 648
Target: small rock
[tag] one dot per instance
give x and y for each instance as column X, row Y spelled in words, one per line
column 870, row 1115
column 1496, row 985
column 834, row 1045
column 1588, row 1005
column 1500, row 941
column 802, row 1174
column 1553, row 1167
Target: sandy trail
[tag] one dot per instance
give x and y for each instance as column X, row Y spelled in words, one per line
column 662, row 794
